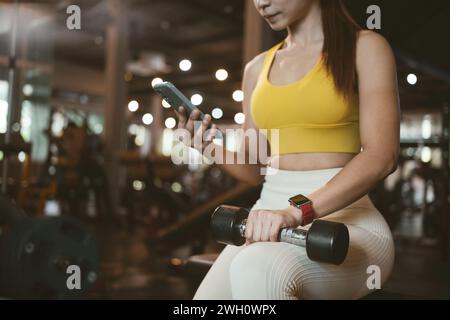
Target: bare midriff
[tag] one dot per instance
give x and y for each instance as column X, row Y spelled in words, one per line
column 310, row 160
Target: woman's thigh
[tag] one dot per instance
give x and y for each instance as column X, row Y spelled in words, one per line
column 274, row 270
column 216, row 284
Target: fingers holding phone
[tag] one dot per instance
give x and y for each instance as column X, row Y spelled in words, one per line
column 207, row 131
column 187, row 113
column 182, row 117
column 186, row 121
column 193, row 118
column 196, row 132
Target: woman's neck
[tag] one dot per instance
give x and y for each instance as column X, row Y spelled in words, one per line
column 307, row 30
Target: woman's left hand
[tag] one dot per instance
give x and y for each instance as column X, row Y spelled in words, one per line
column 265, row 225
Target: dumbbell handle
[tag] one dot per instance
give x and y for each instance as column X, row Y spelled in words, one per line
column 289, row 235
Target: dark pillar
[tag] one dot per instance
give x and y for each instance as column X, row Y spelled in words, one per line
column 13, row 81
column 445, row 206
column 115, row 135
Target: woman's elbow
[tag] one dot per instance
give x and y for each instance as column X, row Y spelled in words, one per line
column 385, row 162
column 392, row 168
column 391, row 164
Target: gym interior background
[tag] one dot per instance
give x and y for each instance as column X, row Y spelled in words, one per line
column 83, row 136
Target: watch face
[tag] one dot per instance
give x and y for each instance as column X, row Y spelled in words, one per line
column 299, row 199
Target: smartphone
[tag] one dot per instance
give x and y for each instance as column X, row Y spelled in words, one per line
column 175, row 98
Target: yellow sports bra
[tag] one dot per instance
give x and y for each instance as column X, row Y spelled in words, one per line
column 310, row 115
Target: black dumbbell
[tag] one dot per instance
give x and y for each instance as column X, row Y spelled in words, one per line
column 325, row 241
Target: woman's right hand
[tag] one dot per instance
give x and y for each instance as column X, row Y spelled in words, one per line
column 265, row 224
column 187, row 123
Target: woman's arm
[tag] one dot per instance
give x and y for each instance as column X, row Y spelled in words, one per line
column 379, row 128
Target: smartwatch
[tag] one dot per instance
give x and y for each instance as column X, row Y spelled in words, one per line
column 305, row 205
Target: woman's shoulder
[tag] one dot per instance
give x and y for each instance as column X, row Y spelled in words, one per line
column 255, row 66
column 371, row 47
column 371, row 42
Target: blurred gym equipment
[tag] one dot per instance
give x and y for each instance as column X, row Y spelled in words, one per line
column 76, row 159
column 191, row 228
column 35, row 254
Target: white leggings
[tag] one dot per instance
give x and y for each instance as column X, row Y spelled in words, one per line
column 276, row 270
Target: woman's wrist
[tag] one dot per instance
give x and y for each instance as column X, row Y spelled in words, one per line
column 296, row 214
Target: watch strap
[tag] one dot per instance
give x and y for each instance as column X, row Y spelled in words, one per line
column 308, row 213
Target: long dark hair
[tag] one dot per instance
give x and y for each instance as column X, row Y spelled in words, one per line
column 339, row 49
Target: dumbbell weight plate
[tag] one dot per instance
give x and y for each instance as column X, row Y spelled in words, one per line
column 327, row 241
column 224, row 224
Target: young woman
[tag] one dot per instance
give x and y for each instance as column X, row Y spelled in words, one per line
column 330, row 89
